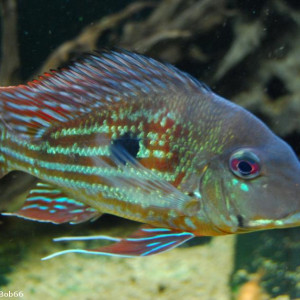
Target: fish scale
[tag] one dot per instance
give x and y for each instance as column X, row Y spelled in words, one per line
column 124, row 134
column 51, row 166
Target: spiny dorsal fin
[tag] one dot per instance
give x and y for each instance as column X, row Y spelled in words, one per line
column 92, row 82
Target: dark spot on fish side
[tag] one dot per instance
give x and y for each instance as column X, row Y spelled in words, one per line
column 126, row 144
column 275, row 88
column 240, row 220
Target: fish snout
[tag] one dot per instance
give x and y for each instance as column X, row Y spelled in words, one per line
column 278, row 206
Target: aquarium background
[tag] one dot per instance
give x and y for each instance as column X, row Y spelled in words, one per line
column 247, row 51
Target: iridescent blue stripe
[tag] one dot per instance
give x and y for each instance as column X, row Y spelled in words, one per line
column 158, row 248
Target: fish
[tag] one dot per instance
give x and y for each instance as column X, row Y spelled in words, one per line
column 119, row 133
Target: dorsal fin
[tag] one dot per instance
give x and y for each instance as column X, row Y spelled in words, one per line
column 93, row 81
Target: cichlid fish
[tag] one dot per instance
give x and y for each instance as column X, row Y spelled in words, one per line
column 123, row 134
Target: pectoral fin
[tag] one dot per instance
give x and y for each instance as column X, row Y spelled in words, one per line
column 146, row 241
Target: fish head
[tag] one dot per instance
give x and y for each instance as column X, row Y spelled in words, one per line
column 254, row 184
column 263, row 188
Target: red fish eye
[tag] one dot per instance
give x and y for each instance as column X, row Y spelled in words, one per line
column 245, row 164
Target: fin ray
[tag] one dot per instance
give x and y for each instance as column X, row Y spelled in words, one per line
column 94, row 81
column 135, row 181
column 46, row 203
column 146, row 241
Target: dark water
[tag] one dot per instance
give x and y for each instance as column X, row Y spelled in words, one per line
column 44, row 25
column 247, row 51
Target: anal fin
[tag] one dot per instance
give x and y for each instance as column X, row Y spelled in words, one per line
column 146, row 241
column 46, row 203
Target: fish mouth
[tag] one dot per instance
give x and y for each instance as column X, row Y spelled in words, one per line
column 291, row 220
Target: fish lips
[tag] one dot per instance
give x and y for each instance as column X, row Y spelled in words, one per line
column 292, row 220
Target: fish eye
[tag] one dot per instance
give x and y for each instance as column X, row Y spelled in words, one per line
column 245, row 164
